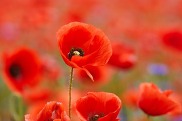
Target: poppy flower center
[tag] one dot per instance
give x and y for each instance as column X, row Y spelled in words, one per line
column 15, row 71
column 95, row 117
column 75, row 52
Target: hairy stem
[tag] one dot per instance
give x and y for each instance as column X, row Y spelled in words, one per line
column 70, row 86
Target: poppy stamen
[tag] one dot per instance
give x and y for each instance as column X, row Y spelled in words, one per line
column 15, row 71
column 75, row 52
column 95, row 117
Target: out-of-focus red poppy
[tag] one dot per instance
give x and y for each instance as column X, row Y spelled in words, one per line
column 50, row 68
column 83, row 6
column 101, row 75
column 39, row 18
column 39, row 14
column 173, row 40
column 36, row 95
column 178, row 99
column 130, row 97
column 21, row 69
column 52, row 111
column 98, row 106
column 123, row 57
column 82, row 45
column 78, row 12
column 72, row 15
column 41, row 4
column 154, row 102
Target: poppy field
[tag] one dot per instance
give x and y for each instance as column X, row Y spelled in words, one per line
column 90, row 60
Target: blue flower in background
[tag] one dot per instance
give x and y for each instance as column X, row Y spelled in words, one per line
column 157, row 69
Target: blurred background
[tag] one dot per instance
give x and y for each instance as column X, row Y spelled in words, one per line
column 147, row 44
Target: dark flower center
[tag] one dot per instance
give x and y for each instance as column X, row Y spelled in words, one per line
column 75, row 51
column 15, row 71
column 95, row 117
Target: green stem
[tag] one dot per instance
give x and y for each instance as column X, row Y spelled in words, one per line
column 149, row 118
column 70, row 86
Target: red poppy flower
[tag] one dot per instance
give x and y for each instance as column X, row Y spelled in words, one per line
column 82, row 45
column 21, row 69
column 173, row 40
column 98, row 106
column 123, row 57
column 100, row 75
column 52, row 111
column 154, row 102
